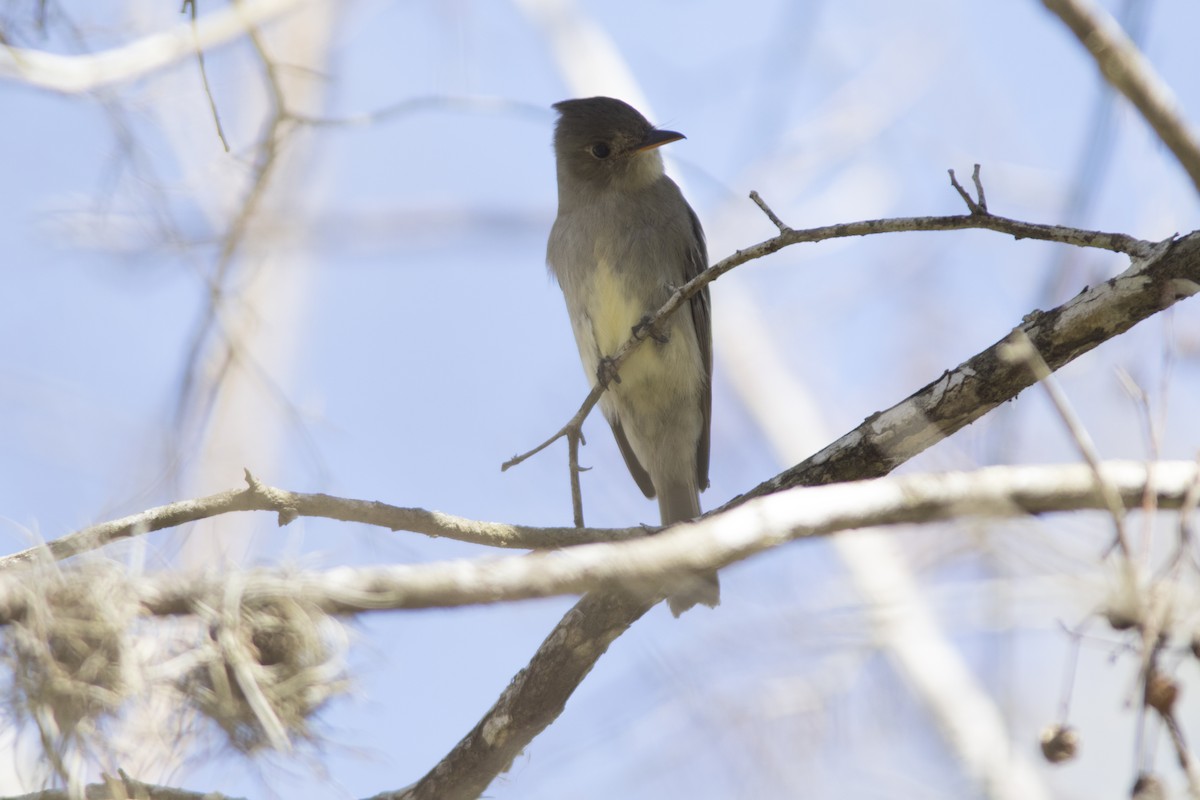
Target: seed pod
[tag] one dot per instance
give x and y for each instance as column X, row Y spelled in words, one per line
column 1059, row 743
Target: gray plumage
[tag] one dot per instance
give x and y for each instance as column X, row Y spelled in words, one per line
column 623, row 241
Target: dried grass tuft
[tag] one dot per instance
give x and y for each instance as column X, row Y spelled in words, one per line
column 267, row 667
column 67, row 656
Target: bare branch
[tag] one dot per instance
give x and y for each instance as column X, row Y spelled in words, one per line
column 1124, row 66
column 574, row 425
column 289, row 505
column 766, row 209
column 648, row 566
column 83, row 73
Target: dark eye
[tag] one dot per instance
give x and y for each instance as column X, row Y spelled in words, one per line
column 600, row 150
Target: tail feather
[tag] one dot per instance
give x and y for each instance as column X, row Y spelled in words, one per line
column 676, row 504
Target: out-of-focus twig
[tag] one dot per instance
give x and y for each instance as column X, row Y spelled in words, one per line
column 190, row 6
column 1124, row 66
column 84, row 73
column 1022, row 350
column 415, row 105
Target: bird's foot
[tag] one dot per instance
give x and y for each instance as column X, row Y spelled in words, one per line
column 606, row 372
column 646, row 328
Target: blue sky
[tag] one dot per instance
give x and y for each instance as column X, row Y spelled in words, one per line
column 433, row 346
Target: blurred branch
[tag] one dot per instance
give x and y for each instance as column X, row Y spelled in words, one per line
column 438, row 102
column 1095, row 159
column 83, row 73
column 1187, row 762
column 189, row 6
column 1124, row 66
column 1021, row 350
column 217, row 343
column 648, row 566
column 979, row 218
column 290, row 505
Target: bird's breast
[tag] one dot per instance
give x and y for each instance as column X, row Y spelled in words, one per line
column 612, row 307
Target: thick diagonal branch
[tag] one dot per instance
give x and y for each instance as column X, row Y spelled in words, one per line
column 964, row 394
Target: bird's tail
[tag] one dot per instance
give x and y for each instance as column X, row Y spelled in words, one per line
column 678, row 503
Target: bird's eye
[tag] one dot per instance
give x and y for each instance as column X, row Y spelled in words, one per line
column 600, row 150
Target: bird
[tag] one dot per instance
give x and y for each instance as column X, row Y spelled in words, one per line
column 623, row 241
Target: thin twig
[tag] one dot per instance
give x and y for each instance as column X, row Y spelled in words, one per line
column 766, row 209
column 976, row 208
column 1072, row 667
column 212, row 103
column 979, row 189
column 1153, row 450
column 573, row 441
column 574, row 424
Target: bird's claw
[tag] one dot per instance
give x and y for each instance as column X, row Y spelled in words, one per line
column 606, row 372
column 646, row 328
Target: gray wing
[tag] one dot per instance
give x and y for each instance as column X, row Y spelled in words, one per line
column 635, row 467
column 696, row 262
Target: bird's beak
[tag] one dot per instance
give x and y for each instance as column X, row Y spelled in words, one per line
column 656, row 138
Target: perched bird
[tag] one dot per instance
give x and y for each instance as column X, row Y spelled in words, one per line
column 623, row 242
